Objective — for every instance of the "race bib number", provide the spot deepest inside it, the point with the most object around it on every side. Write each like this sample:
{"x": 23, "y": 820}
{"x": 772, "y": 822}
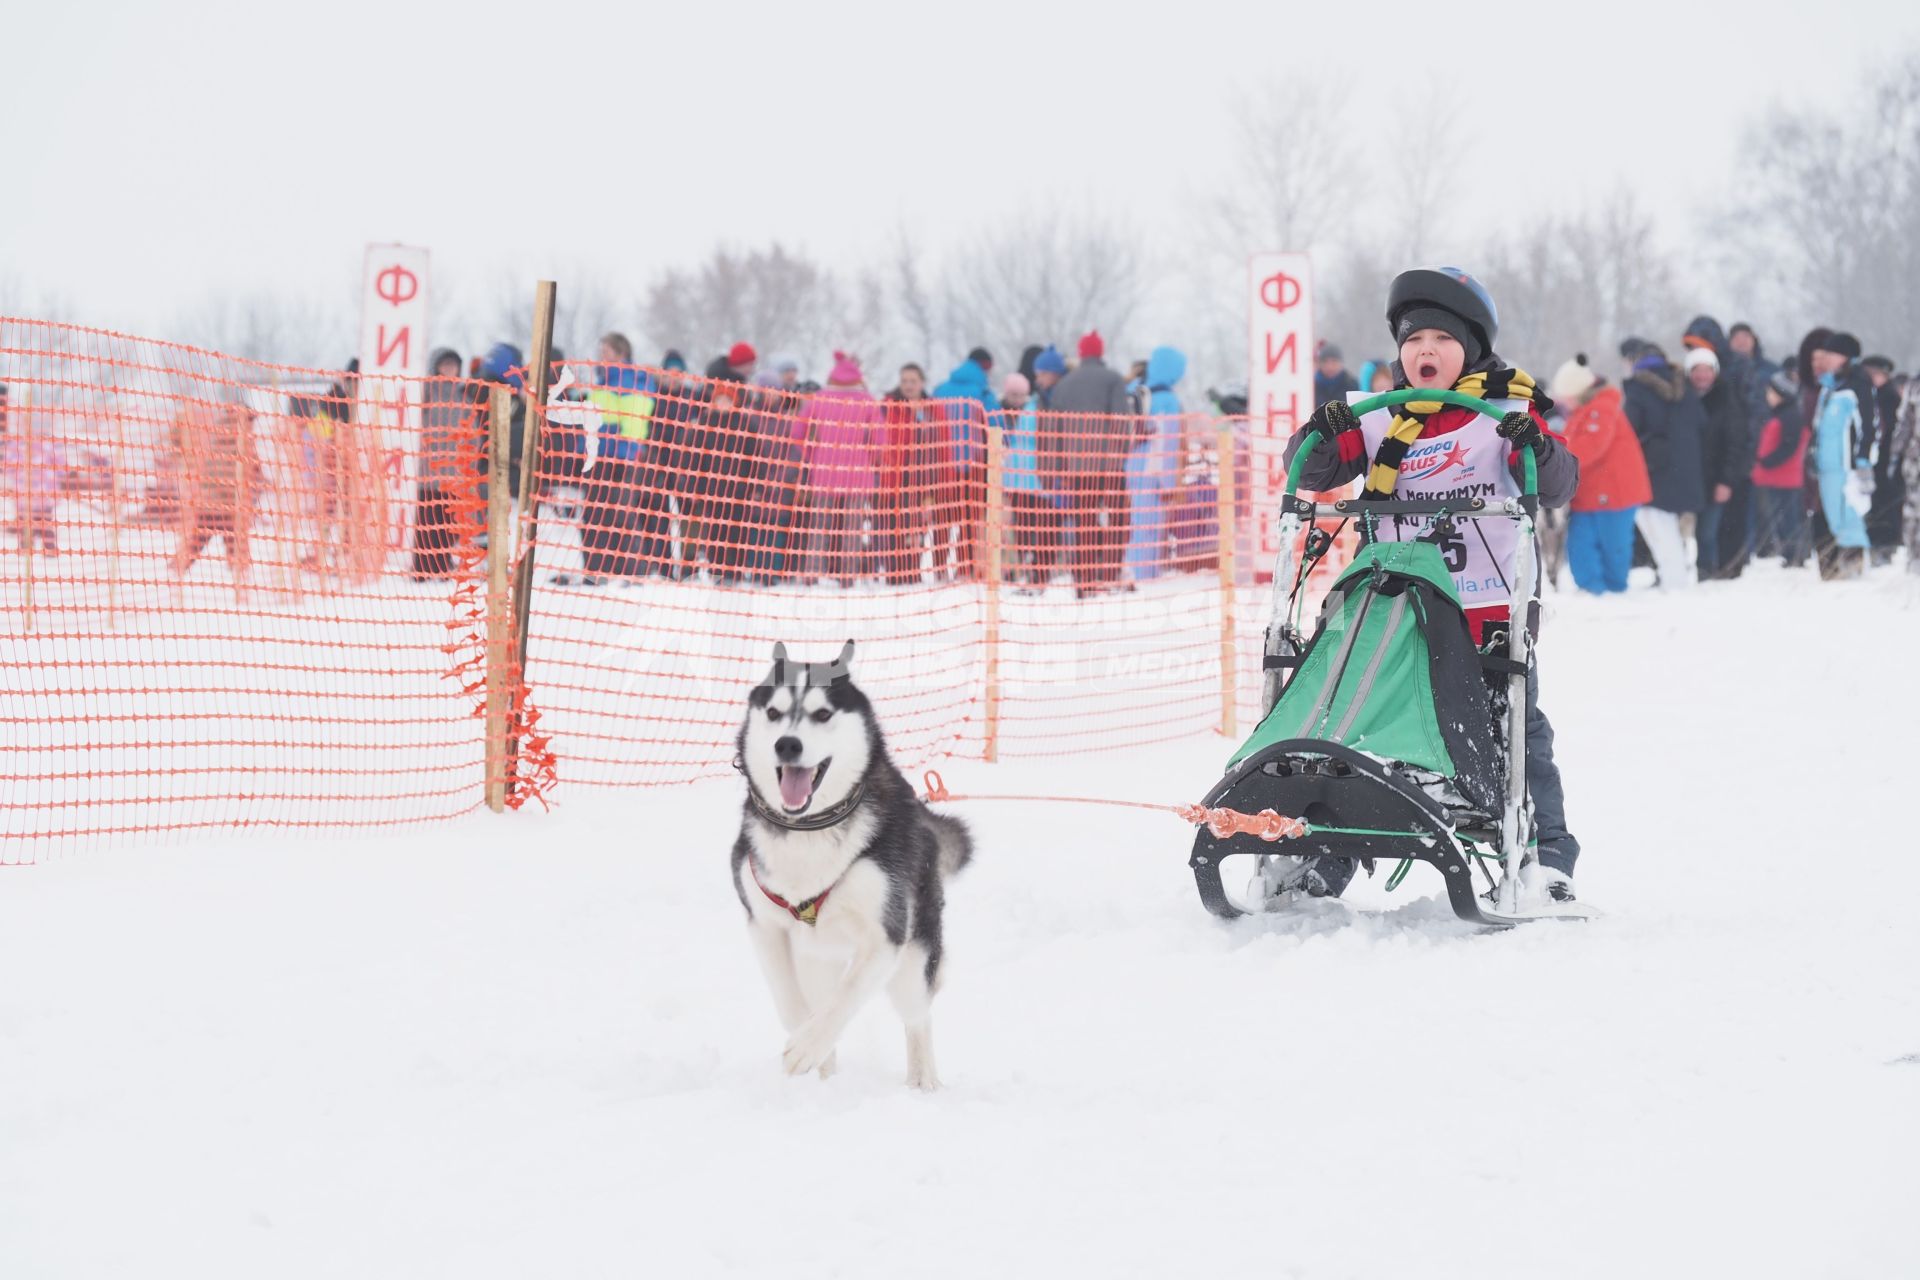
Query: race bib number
{"x": 1458, "y": 467}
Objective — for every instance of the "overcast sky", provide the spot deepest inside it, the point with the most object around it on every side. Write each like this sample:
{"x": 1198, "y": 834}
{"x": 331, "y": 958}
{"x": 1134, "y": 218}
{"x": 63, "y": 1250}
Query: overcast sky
{"x": 152, "y": 159}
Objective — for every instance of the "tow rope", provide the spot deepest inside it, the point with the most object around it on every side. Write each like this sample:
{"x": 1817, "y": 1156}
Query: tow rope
{"x": 1267, "y": 824}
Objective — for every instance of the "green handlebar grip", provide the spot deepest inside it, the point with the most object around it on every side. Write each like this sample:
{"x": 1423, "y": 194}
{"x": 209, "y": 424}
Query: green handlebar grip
{"x": 1530, "y": 470}
{"x": 1389, "y": 399}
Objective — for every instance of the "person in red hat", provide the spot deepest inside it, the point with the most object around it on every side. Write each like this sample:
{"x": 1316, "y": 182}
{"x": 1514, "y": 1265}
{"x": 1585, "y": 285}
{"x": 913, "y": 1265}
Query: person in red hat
{"x": 724, "y": 468}
{"x": 1089, "y": 428}
{"x": 741, "y": 358}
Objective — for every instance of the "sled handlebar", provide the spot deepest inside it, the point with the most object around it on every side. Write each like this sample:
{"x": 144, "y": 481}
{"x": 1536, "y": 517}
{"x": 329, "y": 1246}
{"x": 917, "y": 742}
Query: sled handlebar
{"x": 1530, "y": 467}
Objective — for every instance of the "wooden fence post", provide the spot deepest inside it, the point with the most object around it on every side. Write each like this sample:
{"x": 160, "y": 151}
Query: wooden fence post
{"x": 1226, "y": 499}
{"x": 499, "y": 603}
{"x": 538, "y": 361}
{"x": 536, "y": 419}
{"x": 993, "y": 535}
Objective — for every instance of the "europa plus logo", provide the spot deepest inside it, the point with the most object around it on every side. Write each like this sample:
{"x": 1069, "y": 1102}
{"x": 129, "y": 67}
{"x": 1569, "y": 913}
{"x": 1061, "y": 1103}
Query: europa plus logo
{"x": 1434, "y": 460}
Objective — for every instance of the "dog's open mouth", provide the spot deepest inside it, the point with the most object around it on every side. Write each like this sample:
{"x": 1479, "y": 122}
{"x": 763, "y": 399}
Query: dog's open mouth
{"x": 799, "y": 782}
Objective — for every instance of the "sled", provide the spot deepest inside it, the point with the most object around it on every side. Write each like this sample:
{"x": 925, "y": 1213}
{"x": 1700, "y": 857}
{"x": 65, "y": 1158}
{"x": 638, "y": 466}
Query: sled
{"x": 1389, "y": 733}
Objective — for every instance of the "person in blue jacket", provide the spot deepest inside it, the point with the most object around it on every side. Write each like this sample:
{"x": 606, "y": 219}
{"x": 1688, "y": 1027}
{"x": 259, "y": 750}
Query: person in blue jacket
{"x": 1841, "y": 456}
{"x": 1153, "y": 466}
{"x": 960, "y": 479}
{"x": 968, "y": 381}
{"x": 1033, "y": 515}
{"x": 1376, "y": 376}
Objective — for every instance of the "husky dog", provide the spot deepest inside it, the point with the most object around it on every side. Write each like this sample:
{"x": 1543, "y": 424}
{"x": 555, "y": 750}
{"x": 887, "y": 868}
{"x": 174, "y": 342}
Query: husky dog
{"x": 839, "y": 864}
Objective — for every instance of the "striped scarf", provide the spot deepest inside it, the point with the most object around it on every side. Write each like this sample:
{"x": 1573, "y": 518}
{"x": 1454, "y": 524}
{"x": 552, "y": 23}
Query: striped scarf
{"x": 1411, "y": 420}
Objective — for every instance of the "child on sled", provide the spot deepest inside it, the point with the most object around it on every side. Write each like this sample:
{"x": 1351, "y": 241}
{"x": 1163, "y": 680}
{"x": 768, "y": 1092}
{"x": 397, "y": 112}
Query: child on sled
{"x": 1445, "y": 323}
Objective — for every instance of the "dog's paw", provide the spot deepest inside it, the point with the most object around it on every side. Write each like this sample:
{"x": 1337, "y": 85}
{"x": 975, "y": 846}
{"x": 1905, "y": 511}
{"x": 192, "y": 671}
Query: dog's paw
{"x": 809, "y": 1049}
{"x": 831, "y": 1065}
{"x": 923, "y": 1079}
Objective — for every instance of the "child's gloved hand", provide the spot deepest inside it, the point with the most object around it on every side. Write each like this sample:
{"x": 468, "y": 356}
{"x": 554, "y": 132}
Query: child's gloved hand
{"x": 1520, "y": 428}
{"x": 1333, "y": 417}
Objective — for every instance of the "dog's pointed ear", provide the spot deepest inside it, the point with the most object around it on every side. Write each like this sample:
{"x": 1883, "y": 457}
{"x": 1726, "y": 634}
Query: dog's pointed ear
{"x": 780, "y": 652}
{"x": 845, "y": 659}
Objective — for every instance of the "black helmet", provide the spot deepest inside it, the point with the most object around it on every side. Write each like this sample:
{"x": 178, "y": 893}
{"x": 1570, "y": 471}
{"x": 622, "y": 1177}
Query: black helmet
{"x": 1450, "y": 289}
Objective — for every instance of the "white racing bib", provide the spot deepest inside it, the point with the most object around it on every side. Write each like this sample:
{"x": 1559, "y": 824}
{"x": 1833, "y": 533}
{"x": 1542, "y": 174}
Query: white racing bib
{"x": 1467, "y": 463}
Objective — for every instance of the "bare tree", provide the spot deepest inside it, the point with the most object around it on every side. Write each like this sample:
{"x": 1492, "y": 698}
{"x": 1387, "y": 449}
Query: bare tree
{"x": 1832, "y": 208}
{"x": 1418, "y": 197}
{"x": 264, "y": 325}
{"x": 1350, "y": 299}
{"x": 775, "y": 298}
{"x": 1042, "y": 277}
{"x": 1298, "y": 186}
{"x": 585, "y": 311}
{"x": 915, "y": 306}
{"x": 1293, "y": 167}
{"x": 867, "y": 326}
{"x": 1581, "y": 283}
{"x": 18, "y": 298}
{"x": 1563, "y": 283}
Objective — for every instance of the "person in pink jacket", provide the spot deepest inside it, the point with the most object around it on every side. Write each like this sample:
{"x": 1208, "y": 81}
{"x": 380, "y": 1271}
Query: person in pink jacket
{"x": 839, "y": 433}
{"x": 33, "y": 473}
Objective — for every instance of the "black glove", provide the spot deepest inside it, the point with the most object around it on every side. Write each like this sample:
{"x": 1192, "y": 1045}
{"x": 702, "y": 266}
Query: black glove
{"x": 1520, "y": 428}
{"x": 1333, "y": 417}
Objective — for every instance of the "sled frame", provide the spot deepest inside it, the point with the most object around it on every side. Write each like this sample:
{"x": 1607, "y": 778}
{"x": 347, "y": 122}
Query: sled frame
{"x": 1515, "y": 833}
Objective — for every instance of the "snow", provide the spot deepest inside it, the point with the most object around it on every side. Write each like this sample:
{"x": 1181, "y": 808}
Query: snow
{"x": 540, "y": 1045}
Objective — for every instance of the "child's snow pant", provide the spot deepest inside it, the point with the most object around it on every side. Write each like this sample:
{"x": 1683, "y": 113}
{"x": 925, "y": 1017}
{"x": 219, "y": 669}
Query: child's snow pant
{"x": 1600, "y": 549}
{"x": 1558, "y": 848}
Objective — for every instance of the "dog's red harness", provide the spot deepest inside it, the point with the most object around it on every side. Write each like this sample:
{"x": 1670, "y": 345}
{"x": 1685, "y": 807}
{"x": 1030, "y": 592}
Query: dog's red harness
{"x": 806, "y": 913}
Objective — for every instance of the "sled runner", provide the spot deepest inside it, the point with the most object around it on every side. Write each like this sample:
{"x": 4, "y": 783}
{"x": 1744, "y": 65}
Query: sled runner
{"x": 1389, "y": 732}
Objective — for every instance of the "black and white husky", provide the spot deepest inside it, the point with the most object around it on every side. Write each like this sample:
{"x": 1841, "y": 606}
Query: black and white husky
{"x": 839, "y": 864}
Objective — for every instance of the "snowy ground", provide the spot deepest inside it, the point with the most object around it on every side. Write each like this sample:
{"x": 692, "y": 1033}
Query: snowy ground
{"x": 539, "y": 1045}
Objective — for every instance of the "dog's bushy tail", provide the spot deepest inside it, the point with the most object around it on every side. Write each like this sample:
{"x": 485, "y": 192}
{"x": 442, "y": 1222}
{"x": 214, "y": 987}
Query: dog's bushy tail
{"x": 954, "y": 841}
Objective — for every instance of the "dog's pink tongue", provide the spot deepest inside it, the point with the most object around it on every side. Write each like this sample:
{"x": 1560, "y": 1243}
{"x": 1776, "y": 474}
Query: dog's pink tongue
{"x": 796, "y": 786}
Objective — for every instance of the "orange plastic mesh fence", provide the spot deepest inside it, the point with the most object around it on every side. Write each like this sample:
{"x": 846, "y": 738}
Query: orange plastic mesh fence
{"x": 1018, "y": 581}
{"x": 226, "y": 592}
{"x": 239, "y": 595}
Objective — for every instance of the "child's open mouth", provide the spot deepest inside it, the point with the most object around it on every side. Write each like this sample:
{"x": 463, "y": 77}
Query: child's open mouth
{"x": 1428, "y": 369}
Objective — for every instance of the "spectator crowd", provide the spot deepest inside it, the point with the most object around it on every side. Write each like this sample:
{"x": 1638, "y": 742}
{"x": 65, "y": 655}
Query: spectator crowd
{"x": 1701, "y": 466}
{"x": 1696, "y": 458}
{"x": 748, "y": 473}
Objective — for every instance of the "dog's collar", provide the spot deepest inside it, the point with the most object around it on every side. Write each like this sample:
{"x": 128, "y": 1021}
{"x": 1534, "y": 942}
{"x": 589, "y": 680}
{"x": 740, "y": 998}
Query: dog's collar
{"x": 807, "y": 912}
{"x": 832, "y": 815}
